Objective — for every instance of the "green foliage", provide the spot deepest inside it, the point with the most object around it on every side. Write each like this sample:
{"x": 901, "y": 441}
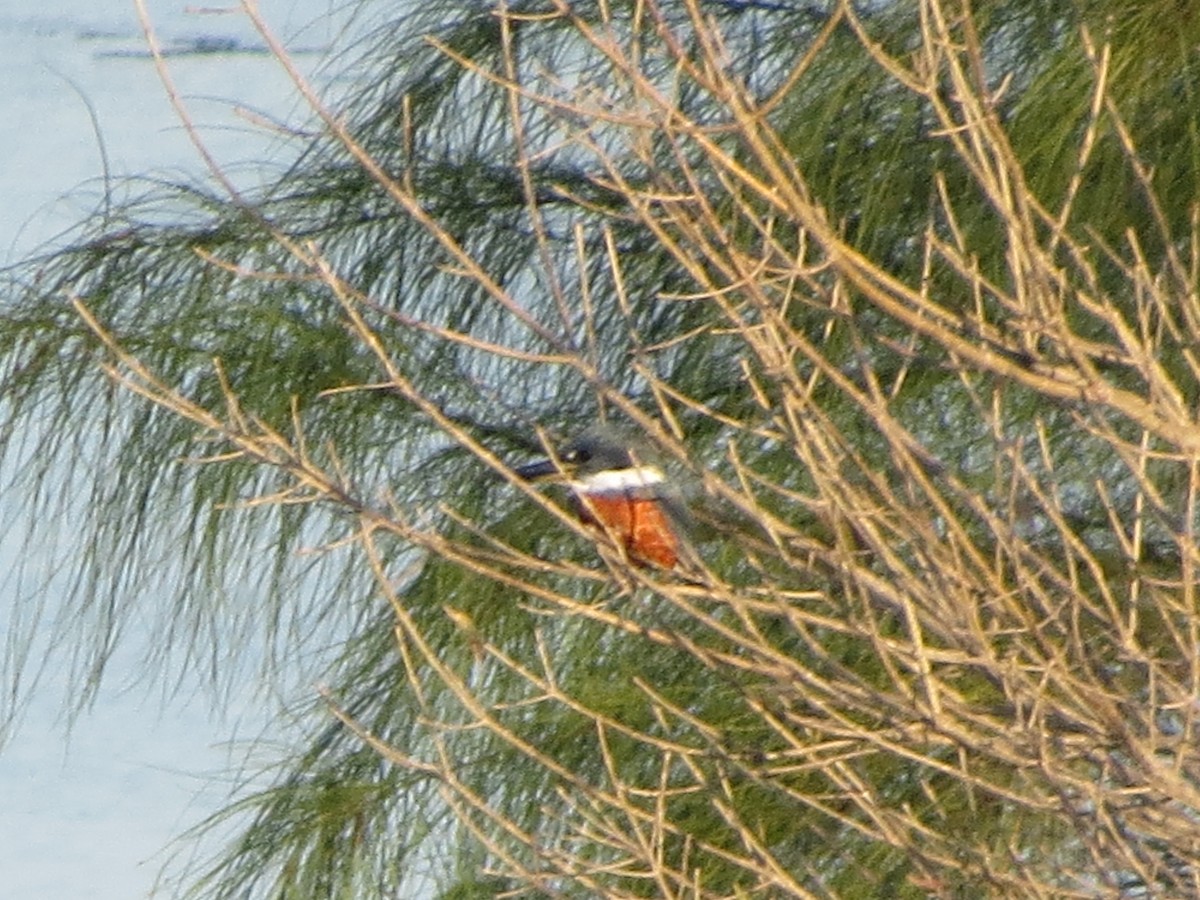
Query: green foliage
{"x": 905, "y": 283}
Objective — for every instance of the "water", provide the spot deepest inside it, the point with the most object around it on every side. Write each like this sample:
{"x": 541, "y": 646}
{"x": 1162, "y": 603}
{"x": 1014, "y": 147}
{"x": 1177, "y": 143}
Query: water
{"x": 69, "y": 60}
{"x": 91, "y": 812}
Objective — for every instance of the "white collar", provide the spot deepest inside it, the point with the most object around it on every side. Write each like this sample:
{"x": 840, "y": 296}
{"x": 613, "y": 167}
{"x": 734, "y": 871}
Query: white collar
{"x": 612, "y": 481}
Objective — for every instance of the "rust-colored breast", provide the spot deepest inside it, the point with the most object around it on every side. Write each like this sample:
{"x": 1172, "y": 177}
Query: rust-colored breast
{"x": 640, "y": 523}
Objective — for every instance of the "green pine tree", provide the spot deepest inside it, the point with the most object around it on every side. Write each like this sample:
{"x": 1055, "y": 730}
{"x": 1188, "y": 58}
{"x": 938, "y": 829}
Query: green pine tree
{"x": 905, "y": 293}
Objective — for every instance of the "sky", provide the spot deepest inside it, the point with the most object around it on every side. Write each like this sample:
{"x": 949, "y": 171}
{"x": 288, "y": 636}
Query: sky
{"x": 90, "y": 807}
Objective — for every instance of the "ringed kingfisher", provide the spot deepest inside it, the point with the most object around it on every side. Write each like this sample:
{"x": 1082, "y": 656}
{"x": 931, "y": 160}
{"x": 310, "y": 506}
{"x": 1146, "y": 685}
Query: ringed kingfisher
{"x": 614, "y": 489}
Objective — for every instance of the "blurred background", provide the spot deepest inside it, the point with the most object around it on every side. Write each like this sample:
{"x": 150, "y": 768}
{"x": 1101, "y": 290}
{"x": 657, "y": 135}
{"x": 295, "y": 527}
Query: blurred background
{"x": 91, "y": 803}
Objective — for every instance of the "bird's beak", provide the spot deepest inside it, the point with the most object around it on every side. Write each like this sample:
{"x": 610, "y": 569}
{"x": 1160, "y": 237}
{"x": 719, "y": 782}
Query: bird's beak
{"x": 542, "y": 470}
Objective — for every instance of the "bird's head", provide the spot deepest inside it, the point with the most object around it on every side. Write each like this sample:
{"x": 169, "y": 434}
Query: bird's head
{"x": 598, "y": 460}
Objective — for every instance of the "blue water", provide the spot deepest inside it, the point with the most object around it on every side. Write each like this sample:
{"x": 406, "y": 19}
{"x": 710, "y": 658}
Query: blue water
{"x": 70, "y": 61}
{"x": 91, "y": 811}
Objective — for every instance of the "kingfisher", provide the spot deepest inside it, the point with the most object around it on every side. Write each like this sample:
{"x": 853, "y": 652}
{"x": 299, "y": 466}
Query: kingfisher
{"x": 611, "y": 487}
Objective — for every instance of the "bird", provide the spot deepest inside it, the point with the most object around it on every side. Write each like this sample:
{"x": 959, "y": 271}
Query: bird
{"x": 612, "y": 486}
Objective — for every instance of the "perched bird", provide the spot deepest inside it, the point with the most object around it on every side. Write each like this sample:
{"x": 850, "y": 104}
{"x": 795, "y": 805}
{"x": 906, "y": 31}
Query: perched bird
{"x": 611, "y": 487}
